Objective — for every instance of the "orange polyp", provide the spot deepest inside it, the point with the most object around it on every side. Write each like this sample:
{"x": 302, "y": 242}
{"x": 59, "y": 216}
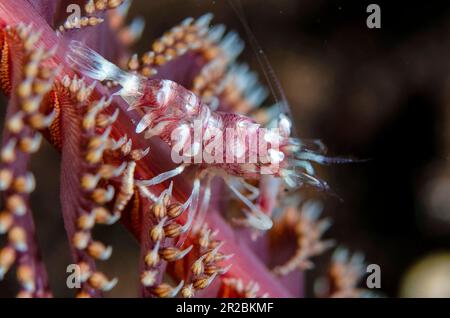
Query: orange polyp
{"x": 135, "y": 214}
{"x": 5, "y": 82}
{"x": 55, "y": 127}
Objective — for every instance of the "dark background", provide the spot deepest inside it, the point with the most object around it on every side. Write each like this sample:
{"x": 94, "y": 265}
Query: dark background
{"x": 381, "y": 94}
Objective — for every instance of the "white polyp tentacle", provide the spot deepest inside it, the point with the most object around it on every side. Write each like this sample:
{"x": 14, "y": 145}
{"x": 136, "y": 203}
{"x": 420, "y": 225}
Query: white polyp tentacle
{"x": 176, "y": 290}
{"x": 110, "y": 284}
{"x": 312, "y": 209}
{"x": 47, "y": 120}
{"x": 204, "y": 20}
{"x": 136, "y": 27}
{"x": 104, "y": 136}
{"x": 257, "y": 96}
{"x": 225, "y": 270}
{"x": 247, "y": 82}
{"x": 325, "y": 245}
{"x": 232, "y": 45}
{"x": 123, "y": 9}
{"x": 192, "y": 203}
{"x": 166, "y": 192}
{"x": 112, "y": 119}
{"x": 194, "y": 198}
{"x": 271, "y": 115}
{"x": 255, "y": 217}
{"x": 324, "y": 225}
{"x": 216, "y": 32}
{"x": 113, "y": 219}
{"x": 188, "y": 201}
{"x": 147, "y": 194}
{"x": 204, "y": 205}
{"x": 357, "y": 260}
{"x": 217, "y": 248}
{"x": 162, "y": 176}
{"x": 116, "y": 144}
{"x": 118, "y": 171}
{"x": 340, "y": 255}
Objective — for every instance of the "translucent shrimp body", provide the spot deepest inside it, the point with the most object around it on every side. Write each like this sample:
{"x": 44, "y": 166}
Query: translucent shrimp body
{"x": 225, "y": 144}
{"x": 185, "y": 123}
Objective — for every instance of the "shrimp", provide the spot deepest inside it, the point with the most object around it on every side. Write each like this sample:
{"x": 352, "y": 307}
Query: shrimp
{"x": 229, "y": 145}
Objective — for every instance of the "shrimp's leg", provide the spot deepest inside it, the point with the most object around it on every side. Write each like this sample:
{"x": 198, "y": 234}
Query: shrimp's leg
{"x": 254, "y": 190}
{"x": 294, "y": 179}
{"x": 255, "y": 217}
{"x": 303, "y": 164}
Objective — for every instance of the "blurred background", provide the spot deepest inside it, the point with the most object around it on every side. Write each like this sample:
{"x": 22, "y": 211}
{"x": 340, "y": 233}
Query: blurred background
{"x": 378, "y": 94}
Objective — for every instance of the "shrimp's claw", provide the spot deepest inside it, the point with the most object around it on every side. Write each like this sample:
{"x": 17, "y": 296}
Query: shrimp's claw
{"x": 254, "y": 217}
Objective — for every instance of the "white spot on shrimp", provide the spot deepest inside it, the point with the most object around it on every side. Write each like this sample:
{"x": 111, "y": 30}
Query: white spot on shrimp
{"x": 285, "y": 125}
{"x": 191, "y": 103}
{"x": 163, "y": 95}
{"x": 272, "y": 136}
{"x": 275, "y": 156}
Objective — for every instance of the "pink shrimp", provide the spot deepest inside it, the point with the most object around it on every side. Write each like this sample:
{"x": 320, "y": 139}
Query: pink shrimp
{"x": 234, "y": 146}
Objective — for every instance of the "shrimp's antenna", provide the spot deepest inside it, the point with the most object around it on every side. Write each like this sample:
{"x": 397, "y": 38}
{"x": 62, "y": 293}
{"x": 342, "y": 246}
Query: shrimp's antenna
{"x": 268, "y": 71}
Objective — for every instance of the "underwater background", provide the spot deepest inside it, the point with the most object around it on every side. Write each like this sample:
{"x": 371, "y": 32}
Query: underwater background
{"x": 377, "y": 94}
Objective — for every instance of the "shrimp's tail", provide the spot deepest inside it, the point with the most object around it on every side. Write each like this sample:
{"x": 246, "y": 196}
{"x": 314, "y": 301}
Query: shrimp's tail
{"x": 93, "y": 65}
